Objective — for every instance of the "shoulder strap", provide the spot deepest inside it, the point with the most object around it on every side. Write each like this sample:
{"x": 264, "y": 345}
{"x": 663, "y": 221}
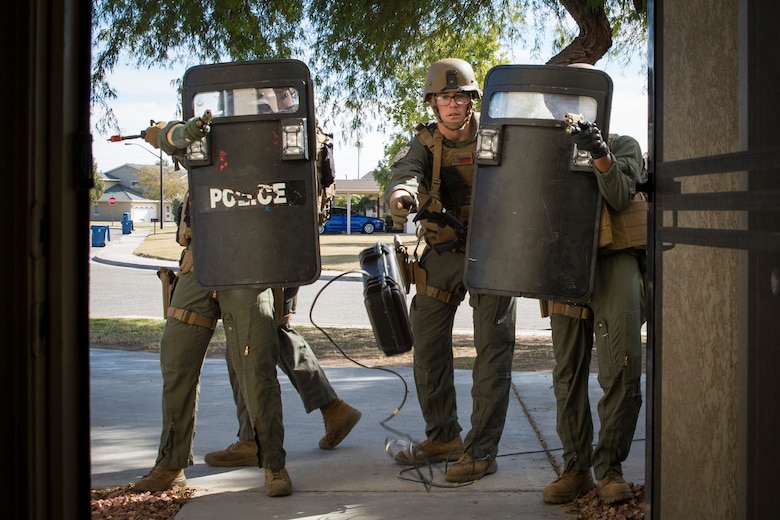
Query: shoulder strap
{"x": 436, "y": 174}
{"x": 434, "y": 143}
{"x": 424, "y": 135}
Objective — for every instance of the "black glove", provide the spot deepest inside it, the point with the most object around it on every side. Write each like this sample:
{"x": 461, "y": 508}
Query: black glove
{"x": 587, "y": 136}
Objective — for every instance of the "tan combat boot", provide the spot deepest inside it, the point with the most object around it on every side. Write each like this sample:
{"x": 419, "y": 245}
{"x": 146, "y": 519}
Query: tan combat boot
{"x": 240, "y": 453}
{"x": 277, "y": 483}
{"x": 431, "y": 450}
{"x": 161, "y": 479}
{"x": 468, "y": 468}
{"x": 568, "y": 486}
{"x": 339, "y": 419}
{"x": 613, "y": 488}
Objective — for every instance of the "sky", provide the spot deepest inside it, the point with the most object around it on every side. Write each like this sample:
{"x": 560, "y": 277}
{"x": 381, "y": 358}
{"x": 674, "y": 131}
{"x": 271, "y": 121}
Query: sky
{"x": 145, "y": 95}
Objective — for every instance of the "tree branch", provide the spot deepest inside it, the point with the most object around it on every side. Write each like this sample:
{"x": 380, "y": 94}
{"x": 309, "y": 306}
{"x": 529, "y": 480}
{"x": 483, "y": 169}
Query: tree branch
{"x": 595, "y": 36}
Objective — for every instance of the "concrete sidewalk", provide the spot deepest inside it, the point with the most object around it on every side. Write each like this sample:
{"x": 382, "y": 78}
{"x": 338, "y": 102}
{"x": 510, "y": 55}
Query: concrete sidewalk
{"x": 355, "y": 480}
{"x": 119, "y": 251}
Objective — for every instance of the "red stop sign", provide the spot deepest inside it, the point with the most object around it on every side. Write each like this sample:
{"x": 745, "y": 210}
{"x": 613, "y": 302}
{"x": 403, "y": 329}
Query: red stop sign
{"x": 112, "y": 200}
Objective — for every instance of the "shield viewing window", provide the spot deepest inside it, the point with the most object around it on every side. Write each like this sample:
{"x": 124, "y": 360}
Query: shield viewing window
{"x": 540, "y": 105}
{"x": 247, "y": 101}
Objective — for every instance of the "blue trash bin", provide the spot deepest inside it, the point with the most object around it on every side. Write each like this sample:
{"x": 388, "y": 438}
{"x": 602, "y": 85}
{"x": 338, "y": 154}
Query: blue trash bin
{"x": 127, "y": 228}
{"x": 99, "y": 236}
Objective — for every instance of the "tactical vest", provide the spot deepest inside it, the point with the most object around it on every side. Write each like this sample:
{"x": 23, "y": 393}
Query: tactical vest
{"x": 626, "y": 229}
{"x": 454, "y": 168}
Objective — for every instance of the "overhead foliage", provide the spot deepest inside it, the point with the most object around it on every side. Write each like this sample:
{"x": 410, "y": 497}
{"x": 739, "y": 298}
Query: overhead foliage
{"x": 99, "y": 186}
{"x": 174, "y": 183}
{"x": 367, "y": 57}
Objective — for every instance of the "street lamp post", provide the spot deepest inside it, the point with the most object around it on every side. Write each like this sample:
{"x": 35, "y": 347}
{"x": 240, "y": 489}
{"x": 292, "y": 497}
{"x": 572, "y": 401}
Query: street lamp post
{"x": 162, "y": 207}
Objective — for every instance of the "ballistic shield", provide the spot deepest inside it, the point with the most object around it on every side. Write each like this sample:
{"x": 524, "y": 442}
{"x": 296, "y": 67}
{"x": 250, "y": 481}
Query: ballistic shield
{"x": 533, "y": 228}
{"x": 253, "y": 188}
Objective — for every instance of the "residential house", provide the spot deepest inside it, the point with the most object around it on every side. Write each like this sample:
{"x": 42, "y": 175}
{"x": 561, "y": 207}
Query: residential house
{"x": 366, "y": 185}
{"x": 121, "y": 185}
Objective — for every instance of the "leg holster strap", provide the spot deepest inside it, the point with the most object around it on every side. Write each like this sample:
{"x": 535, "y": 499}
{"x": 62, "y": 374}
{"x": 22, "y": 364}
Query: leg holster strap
{"x": 421, "y": 281}
{"x": 280, "y": 317}
{"x": 168, "y": 279}
{"x": 192, "y": 318}
{"x": 580, "y": 312}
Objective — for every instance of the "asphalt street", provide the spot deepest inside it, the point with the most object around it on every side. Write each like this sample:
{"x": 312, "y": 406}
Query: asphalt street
{"x": 124, "y": 285}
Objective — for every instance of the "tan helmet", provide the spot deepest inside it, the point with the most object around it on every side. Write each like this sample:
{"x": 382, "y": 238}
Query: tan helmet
{"x": 451, "y": 74}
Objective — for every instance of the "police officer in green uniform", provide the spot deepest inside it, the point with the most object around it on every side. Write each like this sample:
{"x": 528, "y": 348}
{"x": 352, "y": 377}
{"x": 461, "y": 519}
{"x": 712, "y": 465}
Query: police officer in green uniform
{"x": 248, "y": 318}
{"x": 615, "y": 314}
{"x": 434, "y": 173}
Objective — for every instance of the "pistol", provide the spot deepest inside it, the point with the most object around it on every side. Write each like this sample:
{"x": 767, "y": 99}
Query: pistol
{"x": 572, "y": 120}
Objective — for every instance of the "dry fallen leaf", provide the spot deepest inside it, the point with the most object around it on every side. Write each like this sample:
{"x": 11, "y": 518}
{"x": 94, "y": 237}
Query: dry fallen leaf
{"x": 590, "y": 506}
{"x": 124, "y": 503}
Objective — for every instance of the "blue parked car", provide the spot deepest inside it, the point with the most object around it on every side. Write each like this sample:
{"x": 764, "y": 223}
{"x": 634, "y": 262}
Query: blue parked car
{"x": 337, "y": 223}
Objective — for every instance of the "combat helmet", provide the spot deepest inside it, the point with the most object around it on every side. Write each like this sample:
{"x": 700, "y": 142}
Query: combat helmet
{"x": 451, "y": 74}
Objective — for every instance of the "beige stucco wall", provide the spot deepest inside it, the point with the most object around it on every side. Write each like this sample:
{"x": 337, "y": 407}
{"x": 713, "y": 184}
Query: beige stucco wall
{"x": 700, "y": 315}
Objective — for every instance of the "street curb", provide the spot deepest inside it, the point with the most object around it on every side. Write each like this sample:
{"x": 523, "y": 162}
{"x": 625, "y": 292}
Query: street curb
{"x": 117, "y": 263}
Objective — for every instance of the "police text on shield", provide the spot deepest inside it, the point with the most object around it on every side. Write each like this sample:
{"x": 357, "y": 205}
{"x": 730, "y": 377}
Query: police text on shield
{"x": 267, "y": 195}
